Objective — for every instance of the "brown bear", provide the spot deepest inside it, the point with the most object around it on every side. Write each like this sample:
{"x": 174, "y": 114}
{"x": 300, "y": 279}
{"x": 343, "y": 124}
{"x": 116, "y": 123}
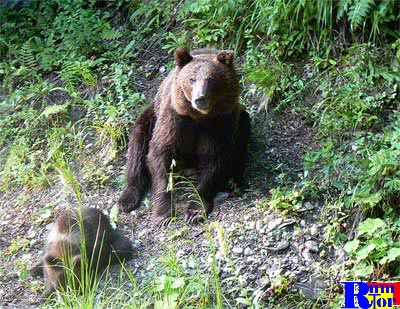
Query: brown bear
{"x": 79, "y": 236}
{"x": 195, "y": 119}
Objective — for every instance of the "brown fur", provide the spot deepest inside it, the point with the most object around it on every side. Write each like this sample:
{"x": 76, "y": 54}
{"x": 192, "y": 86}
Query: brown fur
{"x": 195, "y": 118}
{"x": 103, "y": 246}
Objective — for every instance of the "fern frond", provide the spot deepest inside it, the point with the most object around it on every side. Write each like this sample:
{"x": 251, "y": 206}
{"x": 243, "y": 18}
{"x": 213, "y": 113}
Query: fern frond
{"x": 75, "y": 72}
{"x": 110, "y": 34}
{"x": 342, "y": 7}
{"x": 27, "y": 57}
{"x": 70, "y": 74}
{"x": 359, "y": 12}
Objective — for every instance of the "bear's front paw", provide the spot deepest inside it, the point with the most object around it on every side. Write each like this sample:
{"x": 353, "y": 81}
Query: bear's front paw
{"x": 195, "y": 214}
{"x": 164, "y": 219}
{"x": 129, "y": 200}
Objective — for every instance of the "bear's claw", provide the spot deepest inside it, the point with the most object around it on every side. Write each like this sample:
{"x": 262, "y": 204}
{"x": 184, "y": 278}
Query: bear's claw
{"x": 193, "y": 215}
{"x": 163, "y": 220}
{"x": 128, "y": 200}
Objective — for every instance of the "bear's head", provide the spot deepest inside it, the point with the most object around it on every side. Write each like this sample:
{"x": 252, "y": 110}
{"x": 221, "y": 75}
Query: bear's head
{"x": 57, "y": 261}
{"x": 205, "y": 83}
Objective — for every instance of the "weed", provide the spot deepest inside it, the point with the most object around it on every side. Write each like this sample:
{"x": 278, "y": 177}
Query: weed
{"x": 18, "y": 244}
{"x": 374, "y": 250}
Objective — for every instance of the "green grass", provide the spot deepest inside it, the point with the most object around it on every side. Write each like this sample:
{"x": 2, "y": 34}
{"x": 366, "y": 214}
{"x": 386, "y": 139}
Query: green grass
{"x": 174, "y": 282}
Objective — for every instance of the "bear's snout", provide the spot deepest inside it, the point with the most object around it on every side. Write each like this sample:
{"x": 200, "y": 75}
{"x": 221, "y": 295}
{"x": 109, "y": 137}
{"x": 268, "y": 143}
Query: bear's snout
{"x": 200, "y": 99}
{"x": 201, "y": 102}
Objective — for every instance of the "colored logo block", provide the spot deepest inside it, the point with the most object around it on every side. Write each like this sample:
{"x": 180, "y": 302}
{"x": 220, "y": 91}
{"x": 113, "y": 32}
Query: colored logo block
{"x": 370, "y": 295}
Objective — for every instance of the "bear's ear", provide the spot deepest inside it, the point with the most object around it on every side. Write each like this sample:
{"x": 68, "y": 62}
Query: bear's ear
{"x": 182, "y": 57}
{"x": 225, "y": 57}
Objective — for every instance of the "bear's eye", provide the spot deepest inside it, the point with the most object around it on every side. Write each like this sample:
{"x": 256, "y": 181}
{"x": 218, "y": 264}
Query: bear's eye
{"x": 192, "y": 81}
{"x": 211, "y": 81}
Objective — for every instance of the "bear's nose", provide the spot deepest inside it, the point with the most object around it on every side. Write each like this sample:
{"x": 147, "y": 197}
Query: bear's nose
{"x": 200, "y": 101}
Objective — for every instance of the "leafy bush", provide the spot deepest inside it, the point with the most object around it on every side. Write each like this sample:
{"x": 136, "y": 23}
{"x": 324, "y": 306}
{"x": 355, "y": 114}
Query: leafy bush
{"x": 49, "y": 32}
{"x": 374, "y": 250}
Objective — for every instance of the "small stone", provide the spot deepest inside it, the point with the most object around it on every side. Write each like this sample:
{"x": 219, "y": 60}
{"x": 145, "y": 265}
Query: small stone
{"x": 272, "y": 268}
{"x": 237, "y": 250}
{"x": 142, "y": 233}
{"x": 162, "y": 69}
{"x": 311, "y": 245}
{"x": 295, "y": 234}
{"x": 274, "y": 223}
{"x": 313, "y": 288}
{"x": 180, "y": 254}
{"x": 314, "y": 230}
{"x": 231, "y": 228}
{"x": 259, "y": 225}
{"x": 250, "y": 259}
{"x": 247, "y": 251}
{"x": 282, "y": 245}
{"x": 220, "y": 197}
{"x": 308, "y": 206}
{"x": 250, "y": 225}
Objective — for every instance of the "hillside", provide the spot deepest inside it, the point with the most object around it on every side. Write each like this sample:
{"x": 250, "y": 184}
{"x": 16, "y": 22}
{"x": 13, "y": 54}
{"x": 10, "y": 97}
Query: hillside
{"x": 320, "y": 204}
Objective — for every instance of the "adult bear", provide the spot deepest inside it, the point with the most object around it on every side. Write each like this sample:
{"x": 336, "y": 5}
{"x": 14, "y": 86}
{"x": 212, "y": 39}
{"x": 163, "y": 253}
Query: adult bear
{"x": 195, "y": 119}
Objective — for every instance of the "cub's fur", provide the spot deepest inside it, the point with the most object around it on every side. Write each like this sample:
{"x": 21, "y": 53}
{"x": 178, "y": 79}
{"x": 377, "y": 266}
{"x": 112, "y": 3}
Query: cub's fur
{"x": 79, "y": 237}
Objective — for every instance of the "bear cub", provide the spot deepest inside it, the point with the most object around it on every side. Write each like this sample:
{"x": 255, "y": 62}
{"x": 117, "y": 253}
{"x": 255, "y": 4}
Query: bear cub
{"x": 195, "y": 119}
{"x": 80, "y": 236}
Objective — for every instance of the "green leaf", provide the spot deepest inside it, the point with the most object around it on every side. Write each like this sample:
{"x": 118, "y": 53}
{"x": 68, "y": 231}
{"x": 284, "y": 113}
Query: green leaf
{"x": 331, "y": 61}
{"x": 54, "y": 109}
{"x": 362, "y": 270}
{"x": 243, "y": 301}
{"x": 370, "y": 200}
{"x": 380, "y": 243}
{"x": 351, "y": 246}
{"x": 160, "y": 283}
{"x": 391, "y": 255}
{"x": 365, "y": 251}
{"x": 370, "y": 226}
{"x": 178, "y": 282}
{"x": 338, "y": 185}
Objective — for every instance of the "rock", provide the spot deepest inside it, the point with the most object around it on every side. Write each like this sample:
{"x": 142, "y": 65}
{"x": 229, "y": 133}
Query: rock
{"x": 180, "y": 254}
{"x": 311, "y": 245}
{"x": 314, "y": 230}
{"x": 250, "y": 259}
{"x": 237, "y": 250}
{"x": 248, "y": 251}
{"x": 220, "y": 197}
{"x": 308, "y": 206}
{"x": 274, "y": 223}
{"x": 250, "y": 225}
{"x": 282, "y": 245}
{"x": 287, "y": 222}
{"x": 274, "y": 267}
{"x": 259, "y": 225}
{"x": 142, "y": 233}
{"x": 313, "y": 288}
